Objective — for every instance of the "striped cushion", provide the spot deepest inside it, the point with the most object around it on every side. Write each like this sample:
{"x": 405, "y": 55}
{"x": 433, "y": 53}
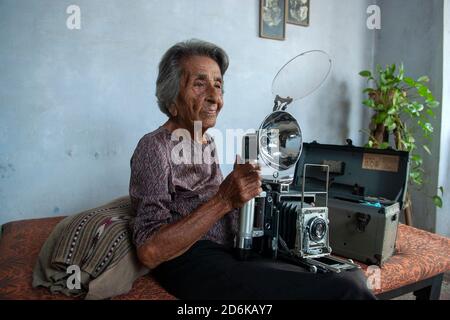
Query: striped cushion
{"x": 97, "y": 239}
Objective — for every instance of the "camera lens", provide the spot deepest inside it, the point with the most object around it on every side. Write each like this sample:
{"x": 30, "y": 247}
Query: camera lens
{"x": 318, "y": 229}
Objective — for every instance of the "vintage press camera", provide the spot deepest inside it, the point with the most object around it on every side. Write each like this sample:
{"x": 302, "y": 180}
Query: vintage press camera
{"x": 283, "y": 223}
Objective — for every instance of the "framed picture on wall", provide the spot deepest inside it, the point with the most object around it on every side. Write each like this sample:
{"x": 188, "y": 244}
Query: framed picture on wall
{"x": 297, "y": 12}
{"x": 272, "y": 19}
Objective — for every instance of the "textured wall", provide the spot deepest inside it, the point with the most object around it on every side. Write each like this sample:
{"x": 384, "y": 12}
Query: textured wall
{"x": 412, "y": 33}
{"x": 73, "y": 103}
{"x": 443, "y": 215}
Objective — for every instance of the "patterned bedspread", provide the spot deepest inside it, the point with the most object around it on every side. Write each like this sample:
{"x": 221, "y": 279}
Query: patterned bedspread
{"x": 420, "y": 255}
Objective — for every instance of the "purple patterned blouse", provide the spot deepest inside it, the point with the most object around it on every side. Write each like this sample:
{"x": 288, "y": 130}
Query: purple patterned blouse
{"x": 162, "y": 191}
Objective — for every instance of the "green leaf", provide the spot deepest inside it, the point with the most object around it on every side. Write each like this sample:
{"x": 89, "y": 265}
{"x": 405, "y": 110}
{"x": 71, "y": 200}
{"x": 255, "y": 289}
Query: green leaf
{"x": 380, "y": 107}
{"x": 384, "y": 145}
{"x": 423, "y": 91}
{"x": 369, "y": 103}
{"x": 414, "y": 174}
{"x": 389, "y": 123}
{"x": 437, "y": 201}
{"x": 427, "y": 149}
{"x": 433, "y": 104}
{"x": 428, "y": 127}
{"x": 392, "y": 111}
{"x": 430, "y": 113}
{"x": 417, "y": 159}
{"x": 401, "y": 72}
{"x": 391, "y": 127}
{"x": 414, "y": 109}
{"x": 380, "y": 117}
{"x": 392, "y": 70}
{"x": 441, "y": 189}
{"x": 423, "y": 79}
{"x": 365, "y": 73}
{"x": 421, "y": 124}
{"x": 405, "y": 145}
{"x": 409, "y": 81}
{"x": 416, "y": 177}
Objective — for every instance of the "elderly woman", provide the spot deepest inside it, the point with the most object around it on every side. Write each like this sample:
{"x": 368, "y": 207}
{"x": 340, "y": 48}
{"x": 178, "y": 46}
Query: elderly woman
{"x": 187, "y": 214}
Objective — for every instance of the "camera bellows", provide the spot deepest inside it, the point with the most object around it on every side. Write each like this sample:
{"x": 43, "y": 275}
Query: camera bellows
{"x": 288, "y": 222}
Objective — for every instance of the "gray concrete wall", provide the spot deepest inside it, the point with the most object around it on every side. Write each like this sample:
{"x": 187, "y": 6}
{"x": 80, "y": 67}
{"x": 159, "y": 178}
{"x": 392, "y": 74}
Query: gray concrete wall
{"x": 73, "y": 103}
{"x": 412, "y": 33}
{"x": 443, "y": 215}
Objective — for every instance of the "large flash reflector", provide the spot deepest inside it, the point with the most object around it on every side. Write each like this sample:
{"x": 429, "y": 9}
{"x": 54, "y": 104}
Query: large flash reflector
{"x": 280, "y": 141}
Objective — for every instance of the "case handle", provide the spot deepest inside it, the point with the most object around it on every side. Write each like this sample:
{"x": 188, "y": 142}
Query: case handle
{"x": 362, "y": 220}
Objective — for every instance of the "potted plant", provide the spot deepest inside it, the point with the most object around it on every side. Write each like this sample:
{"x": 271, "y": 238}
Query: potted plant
{"x": 402, "y": 109}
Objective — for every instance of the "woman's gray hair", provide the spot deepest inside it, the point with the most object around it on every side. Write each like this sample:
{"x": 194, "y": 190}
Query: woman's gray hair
{"x": 170, "y": 70}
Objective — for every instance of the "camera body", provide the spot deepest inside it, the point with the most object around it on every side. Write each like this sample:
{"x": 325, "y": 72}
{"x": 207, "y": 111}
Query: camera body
{"x": 310, "y": 238}
{"x": 286, "y": 223}
{"x": 282, "y": 219}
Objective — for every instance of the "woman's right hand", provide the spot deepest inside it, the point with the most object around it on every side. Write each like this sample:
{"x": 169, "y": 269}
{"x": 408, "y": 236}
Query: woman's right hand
{"x": 241, "y": 185}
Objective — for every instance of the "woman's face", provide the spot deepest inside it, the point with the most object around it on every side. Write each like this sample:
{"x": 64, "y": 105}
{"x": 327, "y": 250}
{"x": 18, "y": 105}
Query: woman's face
{"x": 200, "y": 97}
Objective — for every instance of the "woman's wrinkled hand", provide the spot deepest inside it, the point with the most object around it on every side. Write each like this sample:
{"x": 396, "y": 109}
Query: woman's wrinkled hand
{"x": 241, "y": 185}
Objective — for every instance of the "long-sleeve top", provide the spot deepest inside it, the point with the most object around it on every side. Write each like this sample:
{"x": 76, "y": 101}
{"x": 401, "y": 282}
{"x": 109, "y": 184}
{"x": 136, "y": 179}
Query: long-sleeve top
{"x": 164, "y": 188}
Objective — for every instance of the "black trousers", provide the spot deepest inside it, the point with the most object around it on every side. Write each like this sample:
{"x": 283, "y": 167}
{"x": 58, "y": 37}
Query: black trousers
{"x": 211, "y": 271}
